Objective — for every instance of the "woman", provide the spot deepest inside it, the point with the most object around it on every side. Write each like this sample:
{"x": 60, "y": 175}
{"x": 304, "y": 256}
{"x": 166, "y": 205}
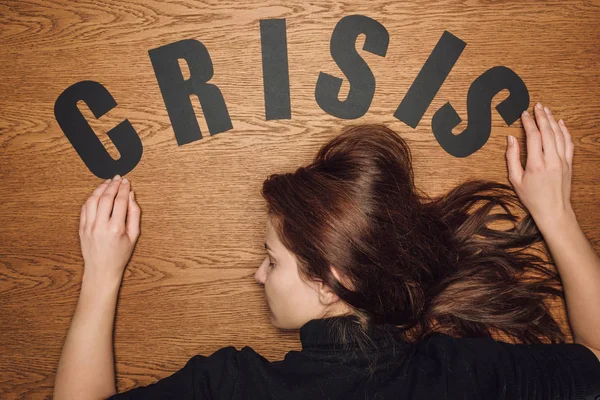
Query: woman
{"x": 396, "y": 295}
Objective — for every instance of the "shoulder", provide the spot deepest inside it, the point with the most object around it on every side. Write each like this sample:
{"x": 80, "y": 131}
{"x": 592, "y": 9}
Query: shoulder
{"x": 203, "y": 376}
{"x": 569, "y": 370}
{"x": 230, "y": 362}
{"x": 490, "y": 350}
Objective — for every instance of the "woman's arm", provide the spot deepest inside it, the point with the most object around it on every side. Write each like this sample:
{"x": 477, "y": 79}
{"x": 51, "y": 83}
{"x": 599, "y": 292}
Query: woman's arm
{"x": 86, "y": 367}
{"x": 544, "y": 188}
{"x": 108, "y": 229}
{"x": 579, "y": 268}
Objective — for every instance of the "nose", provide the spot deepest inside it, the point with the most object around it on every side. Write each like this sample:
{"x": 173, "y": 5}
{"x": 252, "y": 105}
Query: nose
{"x": 258, "y": 277}
{"x": 261, "y": 273}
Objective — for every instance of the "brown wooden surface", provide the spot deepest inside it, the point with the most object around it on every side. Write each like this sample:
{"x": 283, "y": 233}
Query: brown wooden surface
{"x": 189, "y": 287}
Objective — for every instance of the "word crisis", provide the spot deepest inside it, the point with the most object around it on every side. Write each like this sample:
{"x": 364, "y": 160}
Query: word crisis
{"x": 176, "y": 92}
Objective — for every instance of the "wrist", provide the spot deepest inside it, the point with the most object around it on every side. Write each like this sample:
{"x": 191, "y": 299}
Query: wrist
{"x": 558, "y": 222}
{"x": 100, "y": 285}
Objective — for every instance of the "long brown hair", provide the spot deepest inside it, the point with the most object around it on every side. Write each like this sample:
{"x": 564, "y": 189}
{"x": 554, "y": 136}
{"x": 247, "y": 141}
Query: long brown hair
{"x": 423, "y": 264}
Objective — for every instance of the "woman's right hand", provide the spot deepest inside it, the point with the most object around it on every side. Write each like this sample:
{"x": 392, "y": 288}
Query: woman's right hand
{"x": 544, "y": 187}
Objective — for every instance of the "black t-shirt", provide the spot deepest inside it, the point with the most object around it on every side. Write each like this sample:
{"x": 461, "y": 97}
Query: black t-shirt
{"x": 438, "y": 367}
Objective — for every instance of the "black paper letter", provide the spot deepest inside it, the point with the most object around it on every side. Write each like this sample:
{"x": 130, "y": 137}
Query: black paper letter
{"x": 360, "y": 76}
{"x": 276, "y": 79}
{"x": 176, "y": 90}
{"x": 85, "y": 141}
{"x": 479, "y": 99}
{"x": 429, "y": 80}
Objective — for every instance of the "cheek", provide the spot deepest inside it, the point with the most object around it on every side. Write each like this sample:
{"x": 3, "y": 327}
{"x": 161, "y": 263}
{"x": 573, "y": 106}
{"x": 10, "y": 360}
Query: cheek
{"x": 278, "y": 287}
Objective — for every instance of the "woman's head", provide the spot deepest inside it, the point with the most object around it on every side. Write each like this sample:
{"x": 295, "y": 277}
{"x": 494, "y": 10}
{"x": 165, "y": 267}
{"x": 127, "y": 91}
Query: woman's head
{"x": 292, "y": 300}
{"x": 351, "y": 234}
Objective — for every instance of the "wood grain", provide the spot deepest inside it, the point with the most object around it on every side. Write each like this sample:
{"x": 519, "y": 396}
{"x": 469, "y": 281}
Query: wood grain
{"x": 189, "y": 287}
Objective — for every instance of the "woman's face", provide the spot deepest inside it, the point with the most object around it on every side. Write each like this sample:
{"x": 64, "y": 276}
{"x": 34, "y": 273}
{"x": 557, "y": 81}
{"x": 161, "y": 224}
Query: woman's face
{"x": 292, "y": 301}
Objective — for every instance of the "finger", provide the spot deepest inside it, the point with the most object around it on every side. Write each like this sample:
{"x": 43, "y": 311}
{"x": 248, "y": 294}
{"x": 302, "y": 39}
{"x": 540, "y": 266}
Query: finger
{"x": 105, "y": 204}
{"x": 569, "y": 146}
{"x": 91, "y": 207}
{"x": 558, "y": 135}
{"x": 548, "y": 139}
{"x": 82, "y": 219}
{"x": 513, "y": 160}
{"x": 133, "y": 218}
{"x": 119, "y": 211}
{"x": 533, "y": 140}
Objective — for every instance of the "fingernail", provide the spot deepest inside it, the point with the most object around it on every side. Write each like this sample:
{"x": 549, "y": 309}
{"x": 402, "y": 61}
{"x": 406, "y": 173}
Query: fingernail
{"x": 561, "y": 122}
{"x": 511, "y": 140}
{"x": 539, "y": 106}
{"x": 117, "y": 177}
{"x": 107, "y": 181}
{"x": 125, "y": 180}
{"x": 131, "y": 196}
{"x": 525, "y": 113}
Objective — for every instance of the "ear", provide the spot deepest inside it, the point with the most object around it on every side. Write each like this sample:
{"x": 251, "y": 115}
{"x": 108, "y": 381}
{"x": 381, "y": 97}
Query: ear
{"x": 326, "y": 295}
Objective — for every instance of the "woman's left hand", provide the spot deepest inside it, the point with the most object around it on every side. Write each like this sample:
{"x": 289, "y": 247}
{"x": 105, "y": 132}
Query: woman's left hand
{"x": 107, "y": 241}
